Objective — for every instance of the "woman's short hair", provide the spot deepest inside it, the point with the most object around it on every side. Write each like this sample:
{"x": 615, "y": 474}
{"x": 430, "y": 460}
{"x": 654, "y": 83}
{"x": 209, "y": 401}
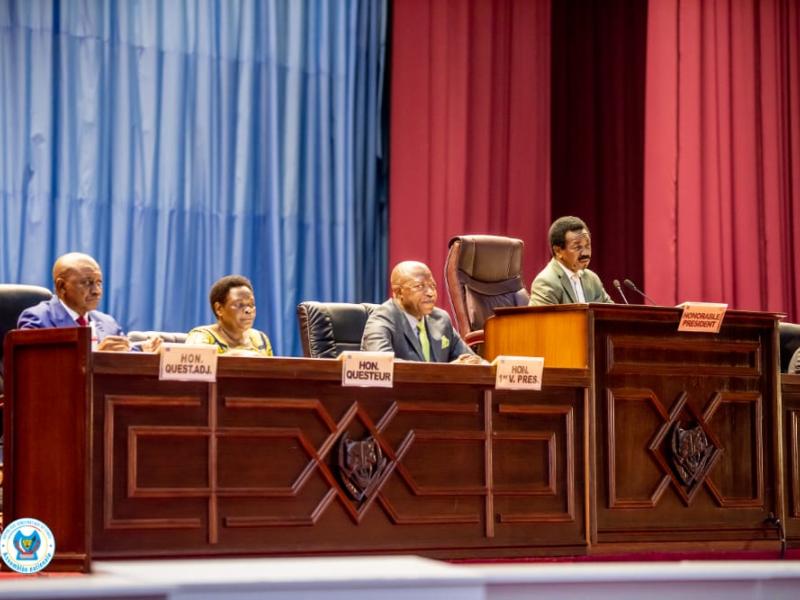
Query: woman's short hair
{"x": 220, "y": 289}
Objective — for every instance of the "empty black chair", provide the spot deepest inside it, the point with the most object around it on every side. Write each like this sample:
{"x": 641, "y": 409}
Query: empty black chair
{"x": 794, "y": 363}
{"x": 14, "y": 298}
{"x": 789, "y": 340}
{"x": 329, "y": 328}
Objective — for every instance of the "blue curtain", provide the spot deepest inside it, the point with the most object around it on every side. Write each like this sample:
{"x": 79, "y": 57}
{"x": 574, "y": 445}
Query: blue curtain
{"x": 177, "y": 142}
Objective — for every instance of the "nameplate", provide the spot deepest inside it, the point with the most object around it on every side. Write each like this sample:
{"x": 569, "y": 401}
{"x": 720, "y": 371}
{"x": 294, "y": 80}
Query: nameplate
{"x": 702, "y": 317}
{"x": 518, "y": 372}
{"x": 367, "y": 369}
{"x": 188, "y": 362}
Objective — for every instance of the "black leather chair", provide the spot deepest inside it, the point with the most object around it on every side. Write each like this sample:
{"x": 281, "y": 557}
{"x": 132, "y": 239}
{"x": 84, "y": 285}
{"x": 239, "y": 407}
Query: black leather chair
{"x": 794, "y": 363}
{"x": 14, "y": 298}
{"x": 329, "y": 328}
{"x": 172, "y": 337}
{"x": 789, "y": 344}
{"x": 483, "y": 272}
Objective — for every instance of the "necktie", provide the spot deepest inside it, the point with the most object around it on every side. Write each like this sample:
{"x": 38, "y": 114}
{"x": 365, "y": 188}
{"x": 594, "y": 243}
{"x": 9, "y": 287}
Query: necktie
{"x": 81, "y": 321}
{"x": 424, "y": 341}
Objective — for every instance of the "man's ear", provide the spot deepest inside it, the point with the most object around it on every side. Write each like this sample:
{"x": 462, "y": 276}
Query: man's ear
{"x": 59, "y": 285}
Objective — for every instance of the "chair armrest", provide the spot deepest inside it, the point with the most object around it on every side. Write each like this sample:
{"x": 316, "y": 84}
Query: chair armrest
{"x": 473, "y": 338}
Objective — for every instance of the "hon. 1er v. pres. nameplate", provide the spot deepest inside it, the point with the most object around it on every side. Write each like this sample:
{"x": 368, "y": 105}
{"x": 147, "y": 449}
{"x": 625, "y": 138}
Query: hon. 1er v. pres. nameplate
{"x": 518, "y": 372}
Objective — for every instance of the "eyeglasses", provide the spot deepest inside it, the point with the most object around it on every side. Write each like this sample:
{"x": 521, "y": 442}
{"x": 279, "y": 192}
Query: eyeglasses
{"x": 421, "y": 287}
{"x": 240, "y": 306}
{"x": 89, "y": 283}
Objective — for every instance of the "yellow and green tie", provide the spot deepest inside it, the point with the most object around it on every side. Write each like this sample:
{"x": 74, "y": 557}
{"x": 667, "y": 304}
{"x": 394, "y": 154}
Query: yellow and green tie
{"x": 424, "y": 341}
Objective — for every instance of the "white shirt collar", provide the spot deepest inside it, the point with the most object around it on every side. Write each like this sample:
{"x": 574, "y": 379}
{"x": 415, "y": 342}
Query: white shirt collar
{"x": 570, "y": 273}
{"x": 72, "y": 313}
{"x": 412, "y": 320}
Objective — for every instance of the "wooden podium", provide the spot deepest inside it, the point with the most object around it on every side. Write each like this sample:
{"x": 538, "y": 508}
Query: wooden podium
{"x": 684, "y": 428}
{"x": 46, "y": 422}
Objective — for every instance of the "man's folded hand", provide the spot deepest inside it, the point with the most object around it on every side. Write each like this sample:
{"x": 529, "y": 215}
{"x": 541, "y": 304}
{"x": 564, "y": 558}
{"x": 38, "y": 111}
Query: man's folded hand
{"x": 114, "y": 343}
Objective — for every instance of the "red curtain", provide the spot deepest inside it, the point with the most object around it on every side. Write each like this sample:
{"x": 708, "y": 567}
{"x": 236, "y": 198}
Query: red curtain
{"x": 722, "y": 153}
{"x": 470, "y": 126}
{"x": 598, "y": 128}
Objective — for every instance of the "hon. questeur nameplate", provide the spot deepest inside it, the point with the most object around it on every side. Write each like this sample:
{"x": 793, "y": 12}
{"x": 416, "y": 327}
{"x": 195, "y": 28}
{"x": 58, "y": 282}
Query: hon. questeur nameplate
{"x": 367, "y": 369}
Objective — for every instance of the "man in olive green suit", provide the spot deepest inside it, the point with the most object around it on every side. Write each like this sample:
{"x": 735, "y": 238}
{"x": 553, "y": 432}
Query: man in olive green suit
{"x": 566, "y": 278}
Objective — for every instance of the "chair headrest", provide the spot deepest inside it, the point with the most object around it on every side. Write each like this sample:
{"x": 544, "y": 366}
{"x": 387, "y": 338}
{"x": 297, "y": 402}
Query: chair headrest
{"x": 489, "y": 258}
{"x": 14, "y": 298}
{"x": 329, "y": 328}
{"x": 172, "y": 337}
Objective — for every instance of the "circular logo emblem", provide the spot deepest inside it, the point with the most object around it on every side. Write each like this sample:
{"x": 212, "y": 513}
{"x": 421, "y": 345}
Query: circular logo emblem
{"x": 27, "y": 545}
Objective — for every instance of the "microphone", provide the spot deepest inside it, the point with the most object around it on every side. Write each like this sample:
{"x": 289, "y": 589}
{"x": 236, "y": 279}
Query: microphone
{"x": 628, "y": 283}
{"x": 619, "y": 289}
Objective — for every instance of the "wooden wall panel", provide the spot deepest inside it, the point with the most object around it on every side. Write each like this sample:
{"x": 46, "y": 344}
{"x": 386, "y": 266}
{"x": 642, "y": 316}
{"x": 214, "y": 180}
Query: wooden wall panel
{"x": 46, "y": 426}
{"x": 791, "y": 456}
{"x": 252, "y": 464}
{"x": 684, "y": 431}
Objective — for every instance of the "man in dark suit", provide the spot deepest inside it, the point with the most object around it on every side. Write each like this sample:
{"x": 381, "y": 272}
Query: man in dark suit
{"x": 410, "y": 325}
{"x": 567, "y": 279}
{"x": 78, "y": 282}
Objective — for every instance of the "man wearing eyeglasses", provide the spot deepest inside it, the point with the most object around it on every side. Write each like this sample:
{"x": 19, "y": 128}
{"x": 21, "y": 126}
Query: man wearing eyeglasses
{"x": 410, "y": 325}
{"x": 78, "y": 283}
{"x": 566, "y": 279}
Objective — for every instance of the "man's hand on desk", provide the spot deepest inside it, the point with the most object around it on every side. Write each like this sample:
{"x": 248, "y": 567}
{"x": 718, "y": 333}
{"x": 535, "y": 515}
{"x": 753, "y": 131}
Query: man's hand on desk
{"x": 114, "y": 343}
{"x": 119, "y": 343}
{"x": 152, "y": 344}
{"x": 469, "y": 359}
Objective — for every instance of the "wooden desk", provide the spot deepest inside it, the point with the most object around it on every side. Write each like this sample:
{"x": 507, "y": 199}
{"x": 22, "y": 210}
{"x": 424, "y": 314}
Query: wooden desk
{"x": 251, "y": 464}
{"x": 647, "y": 488}
{"x": 790, "y": 394}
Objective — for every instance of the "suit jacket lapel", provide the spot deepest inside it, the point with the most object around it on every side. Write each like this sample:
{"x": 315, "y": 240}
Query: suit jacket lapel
{"x": 589, "y": 290}
{"x": 408, "y": 332}
{"x": 565, "y": 283}
{"x": 99, "y": 326}
{"x": 59, "y": 314}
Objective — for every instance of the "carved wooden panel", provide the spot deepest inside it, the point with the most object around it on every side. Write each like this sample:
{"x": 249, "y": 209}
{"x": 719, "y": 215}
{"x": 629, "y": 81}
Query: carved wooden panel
{"x": 46, "y": 421}
{"x": 682, "y": 428}
{"x": 794, "y": 463}
{"x": 791, "y": 456}
{"x": 539, "y": 466}
{"x": 286, "y": 465}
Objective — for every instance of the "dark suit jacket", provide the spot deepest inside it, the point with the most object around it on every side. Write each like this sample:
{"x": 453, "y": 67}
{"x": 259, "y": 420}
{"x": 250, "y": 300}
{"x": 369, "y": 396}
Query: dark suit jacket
{"x": 552, "y": 286}
{"x": 51, "y": 313}
{"x": 388, "y": 330}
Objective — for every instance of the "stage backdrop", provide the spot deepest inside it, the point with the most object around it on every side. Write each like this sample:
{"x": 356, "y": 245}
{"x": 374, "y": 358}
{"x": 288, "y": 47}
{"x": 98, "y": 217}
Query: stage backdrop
{"x": 181, "y": 141}
{"x": 722, "y": 153}
{"x": 470, "y": 146}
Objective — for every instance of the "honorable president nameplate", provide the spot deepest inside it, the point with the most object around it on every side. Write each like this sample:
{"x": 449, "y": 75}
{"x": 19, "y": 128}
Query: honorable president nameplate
{"x": 518, "y": 372}
{"x": 702, "y": 317}
{"x": 367, "y": 369}
{"x": 188, "y": 362}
